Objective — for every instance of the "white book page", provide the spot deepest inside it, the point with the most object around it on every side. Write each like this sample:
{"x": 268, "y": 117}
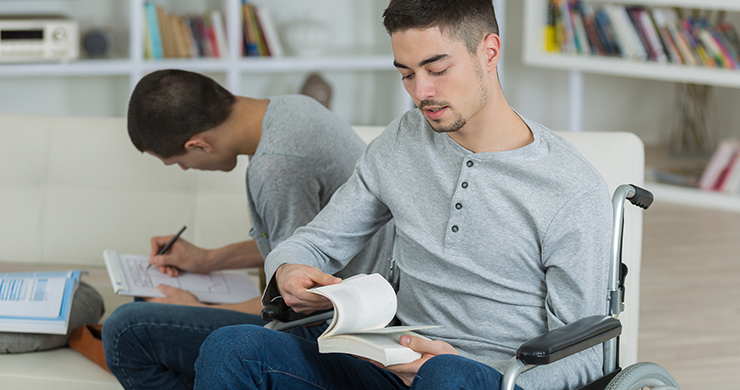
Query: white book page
{"x": 360, "y": 302}
{"x": 31, "y": 297}
{"x": 216, "y": 287}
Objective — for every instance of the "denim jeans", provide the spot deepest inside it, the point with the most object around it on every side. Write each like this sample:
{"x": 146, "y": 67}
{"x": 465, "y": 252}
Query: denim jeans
{"x": 154, "y": 346}
{"x": 251, "y": 357}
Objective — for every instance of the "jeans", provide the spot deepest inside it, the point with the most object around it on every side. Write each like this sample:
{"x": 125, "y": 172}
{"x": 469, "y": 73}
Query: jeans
{"x": 154, "y": 346}
{"x": 251, "y": 357}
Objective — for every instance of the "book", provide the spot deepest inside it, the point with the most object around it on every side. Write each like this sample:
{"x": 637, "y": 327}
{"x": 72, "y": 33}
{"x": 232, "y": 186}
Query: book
{"x": 152, "y": 29}
{"x": 731, "y": 182}
{"x": 718, "y": 163}
{"x": 130, "y": 275}
{"x": 269, "y": 32}
{"x": 665, "y": 35}
{"x": 363, "y": 307}
{"x": 37, "y": 302}
{"x": 217, "y": 21}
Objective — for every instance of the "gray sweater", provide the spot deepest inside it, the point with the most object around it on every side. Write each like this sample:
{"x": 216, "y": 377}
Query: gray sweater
{"x": 304, "y": 155}
{"x": 495, "y": 247}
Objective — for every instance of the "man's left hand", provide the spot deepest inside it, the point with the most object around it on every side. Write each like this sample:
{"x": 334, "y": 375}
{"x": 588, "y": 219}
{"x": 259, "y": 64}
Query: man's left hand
{"x": 428, "y": 349}
{"x": 175, "y": 296}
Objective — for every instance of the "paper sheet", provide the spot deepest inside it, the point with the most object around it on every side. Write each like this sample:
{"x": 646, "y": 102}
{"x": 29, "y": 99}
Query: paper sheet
{"x": 219, "y": 287}
{"x": 31, "y": 297}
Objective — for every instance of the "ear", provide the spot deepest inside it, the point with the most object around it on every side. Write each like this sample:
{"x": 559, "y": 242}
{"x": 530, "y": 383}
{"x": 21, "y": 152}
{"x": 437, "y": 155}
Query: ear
{"x": 199, "y": 142}
{"x": 491, "y": 51}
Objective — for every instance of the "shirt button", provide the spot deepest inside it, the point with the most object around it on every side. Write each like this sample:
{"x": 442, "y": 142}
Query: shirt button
{"x": 465, "y": 184}
{"x": 469, "y": 163}
{"x": 458, "y": 206}
{"x": 455, "y": 229}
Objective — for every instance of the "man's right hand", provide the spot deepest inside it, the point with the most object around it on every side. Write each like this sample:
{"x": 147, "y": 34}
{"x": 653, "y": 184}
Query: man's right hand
{"x": 293, "y": 281}
{"x": 182, "y": 255}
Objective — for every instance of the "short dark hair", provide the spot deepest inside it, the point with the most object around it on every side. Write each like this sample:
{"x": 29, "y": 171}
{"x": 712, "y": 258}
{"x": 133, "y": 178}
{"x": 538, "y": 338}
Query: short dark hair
{"x": 468, "y": 21}
{"x": 170, "y": 106}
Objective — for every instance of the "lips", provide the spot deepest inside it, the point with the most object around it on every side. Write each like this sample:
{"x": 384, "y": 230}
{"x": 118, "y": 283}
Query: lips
{"x": 435, "y": 113}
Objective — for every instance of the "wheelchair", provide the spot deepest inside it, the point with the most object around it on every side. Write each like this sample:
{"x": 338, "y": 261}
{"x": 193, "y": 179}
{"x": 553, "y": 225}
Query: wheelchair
{"x": 561, "y": 342}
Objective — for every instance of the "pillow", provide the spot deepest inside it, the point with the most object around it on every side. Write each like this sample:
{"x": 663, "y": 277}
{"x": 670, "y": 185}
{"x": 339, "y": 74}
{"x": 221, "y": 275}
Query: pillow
{"x": 87, "y": 308}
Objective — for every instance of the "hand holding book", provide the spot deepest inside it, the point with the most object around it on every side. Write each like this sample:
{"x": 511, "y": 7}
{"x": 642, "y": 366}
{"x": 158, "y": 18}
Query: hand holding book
{"x": 363, "y": 307}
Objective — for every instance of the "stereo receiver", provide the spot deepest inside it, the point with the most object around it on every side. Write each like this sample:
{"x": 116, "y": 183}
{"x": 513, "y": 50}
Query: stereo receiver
{"x": 26, "y": 38}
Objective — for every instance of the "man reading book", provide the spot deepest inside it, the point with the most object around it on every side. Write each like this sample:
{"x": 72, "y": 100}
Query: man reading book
{"x": 503, "y": 230}
{"x": 300, "y": 154}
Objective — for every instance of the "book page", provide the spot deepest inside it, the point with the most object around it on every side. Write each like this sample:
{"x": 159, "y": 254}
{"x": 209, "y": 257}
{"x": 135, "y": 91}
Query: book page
{"x": 31, "y": 297}
{"x": 360, "y": 302}
{"x": 218, "y": 287}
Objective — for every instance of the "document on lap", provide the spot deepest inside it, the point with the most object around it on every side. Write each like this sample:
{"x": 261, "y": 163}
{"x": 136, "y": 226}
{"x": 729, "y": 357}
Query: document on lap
{"x": 129, "y": 276}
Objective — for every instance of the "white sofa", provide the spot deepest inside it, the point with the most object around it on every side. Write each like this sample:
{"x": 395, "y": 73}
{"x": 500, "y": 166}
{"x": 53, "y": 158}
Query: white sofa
{"x": 72, "y": 187}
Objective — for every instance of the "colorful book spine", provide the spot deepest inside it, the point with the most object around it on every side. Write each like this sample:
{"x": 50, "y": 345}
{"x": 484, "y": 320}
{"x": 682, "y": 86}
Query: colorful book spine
{"x": 152, "y": 20}
{"x": 639, "y": 33}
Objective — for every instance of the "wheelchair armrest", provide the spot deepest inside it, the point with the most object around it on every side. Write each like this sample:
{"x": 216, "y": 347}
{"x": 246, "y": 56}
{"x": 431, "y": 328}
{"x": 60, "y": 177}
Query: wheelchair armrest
{"x": 568, "y": 340}
{"x": 278, "y": 310}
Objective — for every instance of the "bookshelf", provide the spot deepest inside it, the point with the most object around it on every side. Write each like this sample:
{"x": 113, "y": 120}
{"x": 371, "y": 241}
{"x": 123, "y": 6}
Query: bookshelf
{"x": 534, "y": 54}
{"x": 361, "y": 51}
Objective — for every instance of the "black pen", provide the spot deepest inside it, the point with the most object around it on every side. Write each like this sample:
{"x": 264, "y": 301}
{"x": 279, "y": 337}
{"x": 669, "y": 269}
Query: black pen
{"x": 169, "y": 244}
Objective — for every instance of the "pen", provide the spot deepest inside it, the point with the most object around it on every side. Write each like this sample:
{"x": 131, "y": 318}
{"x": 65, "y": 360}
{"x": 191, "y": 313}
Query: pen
{"x": 169, "y": 244}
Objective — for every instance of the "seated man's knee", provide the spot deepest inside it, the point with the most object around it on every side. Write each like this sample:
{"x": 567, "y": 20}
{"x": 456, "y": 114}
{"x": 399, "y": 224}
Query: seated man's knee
{"x": 237, "y": 338}
{"x": 118, "y": 322}
{"x": 456, "y": 372}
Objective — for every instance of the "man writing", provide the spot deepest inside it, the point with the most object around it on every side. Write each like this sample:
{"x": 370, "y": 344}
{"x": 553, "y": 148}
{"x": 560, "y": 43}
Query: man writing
{"x": 503, "y": 230}
{"x": 300, "y": 154}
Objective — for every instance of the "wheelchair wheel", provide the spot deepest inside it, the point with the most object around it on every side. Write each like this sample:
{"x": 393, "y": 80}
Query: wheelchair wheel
{"x": 643, "y": 375}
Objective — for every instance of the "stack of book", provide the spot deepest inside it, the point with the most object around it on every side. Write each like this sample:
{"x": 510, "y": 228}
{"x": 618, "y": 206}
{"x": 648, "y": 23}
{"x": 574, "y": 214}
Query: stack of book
{"x": 260, "y": 36}
{"x": 722, "y": 173}
{"x": 169, "y": 35}
{"x": 638, "y": 33}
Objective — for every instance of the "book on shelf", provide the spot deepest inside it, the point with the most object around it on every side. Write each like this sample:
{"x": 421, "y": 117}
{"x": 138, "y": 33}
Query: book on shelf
{"x": 131, "y": 275}
{"x": 686, "y": 176}
{"x": 363, "y": 307}
{"x": 169, "y": 35}
{"x": 37, "y": 302}
{"x": 715, "y": 175}
{"x": 640, "y": 33}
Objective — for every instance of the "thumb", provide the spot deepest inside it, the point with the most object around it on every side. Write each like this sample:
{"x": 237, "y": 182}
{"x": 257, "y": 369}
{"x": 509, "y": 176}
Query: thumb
{"x": 416, "y": 343}
{"x": 160, "y": 260}
{"x": 324, "y": 279}
{"x": 165, "y": 289}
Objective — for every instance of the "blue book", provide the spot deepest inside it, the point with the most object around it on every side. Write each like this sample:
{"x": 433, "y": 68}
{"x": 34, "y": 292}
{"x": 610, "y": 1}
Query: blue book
{"x": 152, "y": 25}
{"x": 37, "y": 302}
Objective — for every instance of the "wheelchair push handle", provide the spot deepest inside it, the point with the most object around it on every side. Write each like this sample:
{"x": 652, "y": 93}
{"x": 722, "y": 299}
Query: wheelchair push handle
{"x": 639, "y": 196}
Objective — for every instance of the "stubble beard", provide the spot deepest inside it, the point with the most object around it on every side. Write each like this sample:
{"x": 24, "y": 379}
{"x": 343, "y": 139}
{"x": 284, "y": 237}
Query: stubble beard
{"x": 459, "y": 121}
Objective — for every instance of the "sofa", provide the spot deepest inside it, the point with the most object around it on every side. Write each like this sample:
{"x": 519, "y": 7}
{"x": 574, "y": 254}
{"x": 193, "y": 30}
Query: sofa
{"x": 71, "y": 187}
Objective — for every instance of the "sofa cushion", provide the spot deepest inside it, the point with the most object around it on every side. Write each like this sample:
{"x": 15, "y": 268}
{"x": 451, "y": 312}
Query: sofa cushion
{"x": 87, "y": 308}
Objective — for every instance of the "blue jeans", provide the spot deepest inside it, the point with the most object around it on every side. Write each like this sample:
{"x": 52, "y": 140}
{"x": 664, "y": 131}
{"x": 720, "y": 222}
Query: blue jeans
{"x": 251, "y": 357}
{"x": 154, "y": 346}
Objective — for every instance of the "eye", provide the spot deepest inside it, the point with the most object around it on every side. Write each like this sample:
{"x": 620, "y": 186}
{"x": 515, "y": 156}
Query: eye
{"x": 440, "y": 73}
{"x": 405, "y": 77}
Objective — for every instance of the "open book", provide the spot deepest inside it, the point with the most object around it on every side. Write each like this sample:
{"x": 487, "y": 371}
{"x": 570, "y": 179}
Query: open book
{"x": 37, "y": 302}
{"x": 363, "y": 306}
{"x": 130, "y": 275}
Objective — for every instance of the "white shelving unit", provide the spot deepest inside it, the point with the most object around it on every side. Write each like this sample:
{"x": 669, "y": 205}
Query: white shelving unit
{"x": 535, "y": 55}
{"x": 233, "y": 70}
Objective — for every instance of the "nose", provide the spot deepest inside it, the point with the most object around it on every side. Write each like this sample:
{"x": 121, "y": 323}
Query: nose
{"x": 423, "y": 88}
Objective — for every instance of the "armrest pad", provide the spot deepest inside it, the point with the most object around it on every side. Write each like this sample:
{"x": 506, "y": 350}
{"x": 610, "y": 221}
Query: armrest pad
{"x": 278, "y": 310}
{"x": 568, "y": 340}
